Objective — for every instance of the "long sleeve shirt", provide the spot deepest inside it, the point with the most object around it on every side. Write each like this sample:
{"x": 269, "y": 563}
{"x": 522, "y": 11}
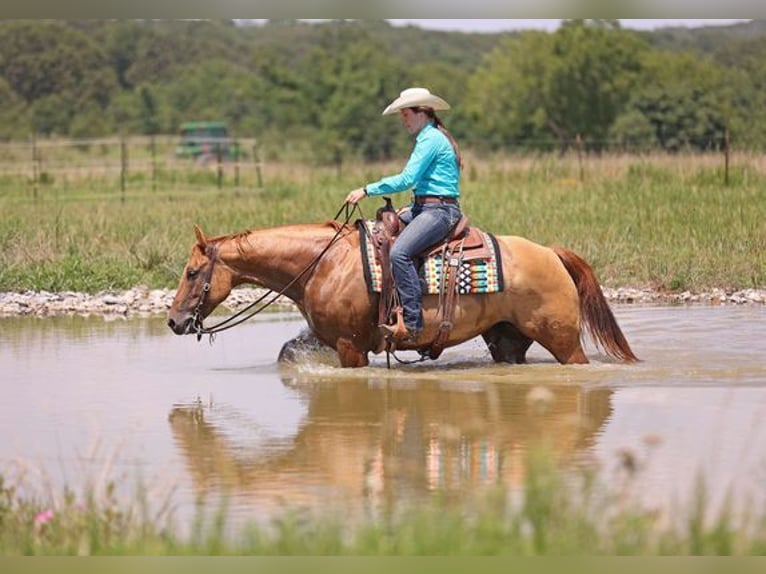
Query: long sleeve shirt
{"x": 432, "y": 168}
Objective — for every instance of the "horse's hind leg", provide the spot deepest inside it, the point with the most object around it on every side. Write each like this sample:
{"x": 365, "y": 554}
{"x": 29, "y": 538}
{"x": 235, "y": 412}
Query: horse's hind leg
{"x": 563, "y": 342}
{"x": 305, "y": 342}
{"x": 506, "y": 343}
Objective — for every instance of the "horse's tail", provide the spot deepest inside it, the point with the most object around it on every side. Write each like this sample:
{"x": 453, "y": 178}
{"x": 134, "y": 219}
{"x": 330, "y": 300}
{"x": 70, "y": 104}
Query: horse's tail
{"x": 597, "y": 316}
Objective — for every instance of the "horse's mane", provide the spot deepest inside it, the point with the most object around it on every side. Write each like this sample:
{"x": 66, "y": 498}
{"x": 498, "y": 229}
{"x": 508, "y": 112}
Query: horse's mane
{"x": 230, "y": 236}
{"x": 335, "y": 225}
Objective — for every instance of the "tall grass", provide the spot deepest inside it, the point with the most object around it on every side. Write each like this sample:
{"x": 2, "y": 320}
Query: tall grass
{"x": 660, "y": 222}
{"x": 554, "y": 514}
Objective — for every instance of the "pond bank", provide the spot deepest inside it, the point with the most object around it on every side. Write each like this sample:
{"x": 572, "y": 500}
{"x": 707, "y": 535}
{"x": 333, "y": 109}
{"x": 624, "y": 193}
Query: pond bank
{"x": 142, "y": 301}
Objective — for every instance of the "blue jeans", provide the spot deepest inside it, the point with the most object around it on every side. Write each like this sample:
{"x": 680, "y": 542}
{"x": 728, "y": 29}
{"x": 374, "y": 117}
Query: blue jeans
{"x": 426, "y": 225}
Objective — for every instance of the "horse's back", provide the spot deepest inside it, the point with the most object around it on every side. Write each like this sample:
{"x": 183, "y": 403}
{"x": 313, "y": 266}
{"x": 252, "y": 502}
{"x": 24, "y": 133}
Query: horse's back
{"x": 529, "y": 266}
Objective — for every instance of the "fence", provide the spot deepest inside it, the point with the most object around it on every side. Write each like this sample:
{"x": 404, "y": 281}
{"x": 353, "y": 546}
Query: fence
{"x": 151, "y": 160}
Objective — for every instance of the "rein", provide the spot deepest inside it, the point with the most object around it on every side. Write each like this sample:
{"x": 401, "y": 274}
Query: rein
{"x": 250, "y": 311}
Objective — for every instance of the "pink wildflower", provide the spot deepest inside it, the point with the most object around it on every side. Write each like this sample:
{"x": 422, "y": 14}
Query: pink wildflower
{"x": 44, "y": 517}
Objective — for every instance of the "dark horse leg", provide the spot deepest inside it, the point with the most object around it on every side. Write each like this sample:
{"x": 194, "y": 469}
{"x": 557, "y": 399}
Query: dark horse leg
{"x": 295, "y": 349}
{"x": 305, "y": 342}
{"x": 507, "y": 344}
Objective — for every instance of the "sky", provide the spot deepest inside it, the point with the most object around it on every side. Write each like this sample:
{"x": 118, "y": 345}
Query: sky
{"x": 550, "y": 25}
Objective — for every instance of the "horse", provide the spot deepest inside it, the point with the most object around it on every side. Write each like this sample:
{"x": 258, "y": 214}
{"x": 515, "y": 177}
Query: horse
{"x": 550, "y": 295}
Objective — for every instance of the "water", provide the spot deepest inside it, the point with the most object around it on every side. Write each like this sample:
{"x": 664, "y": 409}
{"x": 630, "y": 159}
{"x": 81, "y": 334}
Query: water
{"x": 86, "y": 400}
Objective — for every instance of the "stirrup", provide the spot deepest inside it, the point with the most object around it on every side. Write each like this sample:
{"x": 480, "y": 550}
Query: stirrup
{"x": 400, "y": 334}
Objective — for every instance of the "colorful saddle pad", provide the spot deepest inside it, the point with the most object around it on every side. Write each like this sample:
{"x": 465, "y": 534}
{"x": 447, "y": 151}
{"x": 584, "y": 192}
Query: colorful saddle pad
{"x": 476, "y": 275}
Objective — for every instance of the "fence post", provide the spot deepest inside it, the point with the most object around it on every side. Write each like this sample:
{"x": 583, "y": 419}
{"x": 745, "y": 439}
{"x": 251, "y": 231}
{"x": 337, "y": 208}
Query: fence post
{"x": 257, "y": 161}
{"x": 726, "y": 142}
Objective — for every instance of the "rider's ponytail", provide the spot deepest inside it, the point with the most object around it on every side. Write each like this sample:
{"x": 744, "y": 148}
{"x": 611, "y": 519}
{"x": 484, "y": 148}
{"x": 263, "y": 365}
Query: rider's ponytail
{"x": 440, "y": 126}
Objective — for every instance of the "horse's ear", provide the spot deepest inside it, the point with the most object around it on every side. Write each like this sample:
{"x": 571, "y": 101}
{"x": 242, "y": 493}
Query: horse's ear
{"x": 201, "y": 239}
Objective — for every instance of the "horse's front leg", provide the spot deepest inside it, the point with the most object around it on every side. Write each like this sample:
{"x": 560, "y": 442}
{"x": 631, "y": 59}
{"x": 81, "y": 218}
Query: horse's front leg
{"x": 349, "y": 355}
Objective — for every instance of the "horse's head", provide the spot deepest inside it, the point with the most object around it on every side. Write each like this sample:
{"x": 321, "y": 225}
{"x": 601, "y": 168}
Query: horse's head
{"x": 205, "y": 283}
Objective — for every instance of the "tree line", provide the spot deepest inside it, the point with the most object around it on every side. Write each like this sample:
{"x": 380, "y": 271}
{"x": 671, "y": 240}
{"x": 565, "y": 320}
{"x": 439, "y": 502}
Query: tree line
{"x": 317, "y": 89}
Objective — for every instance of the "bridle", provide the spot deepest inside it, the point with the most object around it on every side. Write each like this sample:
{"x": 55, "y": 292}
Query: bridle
{"x": 211, "y": 251}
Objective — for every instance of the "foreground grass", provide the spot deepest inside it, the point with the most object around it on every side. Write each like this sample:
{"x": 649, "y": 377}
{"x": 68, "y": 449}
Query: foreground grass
{"x": 554, "y": 516}
{"x": 665, "y": 223}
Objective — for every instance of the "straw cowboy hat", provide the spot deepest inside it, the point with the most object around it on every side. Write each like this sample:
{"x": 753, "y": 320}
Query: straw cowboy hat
{"x": 415, "y": 98}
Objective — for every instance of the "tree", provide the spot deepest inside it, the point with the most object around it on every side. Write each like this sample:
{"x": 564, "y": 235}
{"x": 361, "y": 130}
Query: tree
{"x": 595, "y": 67}
{"x": 12, "y": 113}
{"x": 357, "y": 81}
{"x": 44, "y": 59}
{"x": 52, "y": 114}
{"x": 505, "y": 96}
{"x": 544, "y": 89}
{"x": 122, "y": 47}
{"x": 149, "y": 113}
{"x": 684, "y": 98}
{"x": 745, "y": 63}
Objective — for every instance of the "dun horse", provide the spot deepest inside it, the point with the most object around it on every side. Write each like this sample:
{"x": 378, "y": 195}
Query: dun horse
{"x": 550, "y": 295}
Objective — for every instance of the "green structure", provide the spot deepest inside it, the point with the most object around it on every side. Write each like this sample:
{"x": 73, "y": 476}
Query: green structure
{"x": 205, "y": 141}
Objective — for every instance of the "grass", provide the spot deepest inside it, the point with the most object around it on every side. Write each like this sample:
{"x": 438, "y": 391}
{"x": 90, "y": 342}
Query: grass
{"x": 554, "y": 514}
{"x": 668, "y": 223}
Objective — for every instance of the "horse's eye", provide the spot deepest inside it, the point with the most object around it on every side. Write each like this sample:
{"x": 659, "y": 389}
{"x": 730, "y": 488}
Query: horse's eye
{"x": 191, "y": 274}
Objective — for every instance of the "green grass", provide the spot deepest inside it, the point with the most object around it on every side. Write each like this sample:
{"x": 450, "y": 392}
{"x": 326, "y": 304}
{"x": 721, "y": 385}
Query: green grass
{"x": 556, "y": 513}
{"x": 665, "y": 223}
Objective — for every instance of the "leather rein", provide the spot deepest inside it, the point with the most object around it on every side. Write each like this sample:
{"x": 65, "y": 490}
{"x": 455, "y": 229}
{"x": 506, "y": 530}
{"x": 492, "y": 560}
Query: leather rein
{"x": 211, "y": 251}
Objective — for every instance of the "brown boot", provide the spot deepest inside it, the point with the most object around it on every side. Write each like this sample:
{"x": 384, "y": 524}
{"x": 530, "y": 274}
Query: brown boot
{"x": 407, "y": 336}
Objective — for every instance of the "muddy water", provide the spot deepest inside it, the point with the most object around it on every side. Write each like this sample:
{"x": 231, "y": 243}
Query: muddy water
{"x": 84, "y": 399}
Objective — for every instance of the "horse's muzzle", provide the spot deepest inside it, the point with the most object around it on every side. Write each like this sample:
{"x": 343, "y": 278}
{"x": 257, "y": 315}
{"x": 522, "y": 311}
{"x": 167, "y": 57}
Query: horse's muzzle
{"x": 183, "y": 327}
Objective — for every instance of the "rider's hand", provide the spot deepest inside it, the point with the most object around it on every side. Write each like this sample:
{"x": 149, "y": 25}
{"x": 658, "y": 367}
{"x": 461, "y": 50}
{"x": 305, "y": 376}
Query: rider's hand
{"x": 356, "y": 195}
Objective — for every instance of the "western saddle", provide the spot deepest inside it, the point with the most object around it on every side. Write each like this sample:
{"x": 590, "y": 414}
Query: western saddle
{"x": 462, "y": 244}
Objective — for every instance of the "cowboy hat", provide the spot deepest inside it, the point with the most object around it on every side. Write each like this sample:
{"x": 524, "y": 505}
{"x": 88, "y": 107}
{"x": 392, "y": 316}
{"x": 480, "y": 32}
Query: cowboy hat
{"x": 415, "y": 98}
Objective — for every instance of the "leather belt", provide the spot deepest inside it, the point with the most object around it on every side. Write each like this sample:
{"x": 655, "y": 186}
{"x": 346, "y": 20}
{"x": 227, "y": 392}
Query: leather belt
{"x": 423, "y": 199}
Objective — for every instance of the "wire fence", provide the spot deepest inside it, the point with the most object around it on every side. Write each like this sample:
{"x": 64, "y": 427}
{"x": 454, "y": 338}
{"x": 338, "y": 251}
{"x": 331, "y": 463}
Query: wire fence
{"x": 161, "y": 162}
{"x": 150, "y": 160}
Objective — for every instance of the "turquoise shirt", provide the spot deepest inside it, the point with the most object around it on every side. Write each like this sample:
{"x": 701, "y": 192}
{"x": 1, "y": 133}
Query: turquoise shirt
{"x": 431, "y": 170}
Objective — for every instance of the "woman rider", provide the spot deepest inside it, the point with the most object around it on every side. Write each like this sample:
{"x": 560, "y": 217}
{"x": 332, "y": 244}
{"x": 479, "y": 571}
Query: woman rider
{"x": 433, "y": 173}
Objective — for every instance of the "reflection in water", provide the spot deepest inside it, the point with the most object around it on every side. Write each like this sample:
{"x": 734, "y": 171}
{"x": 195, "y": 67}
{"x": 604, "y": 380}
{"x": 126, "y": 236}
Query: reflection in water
{"x": 314, "y": 434}
{"x": 382, "y": 441}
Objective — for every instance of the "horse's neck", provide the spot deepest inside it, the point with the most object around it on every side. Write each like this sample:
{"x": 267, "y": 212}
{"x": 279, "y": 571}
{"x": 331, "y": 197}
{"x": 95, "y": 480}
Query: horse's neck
{"x": 275, "y": 257}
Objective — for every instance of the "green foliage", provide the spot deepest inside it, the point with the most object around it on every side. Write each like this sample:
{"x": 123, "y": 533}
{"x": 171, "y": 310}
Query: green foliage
{"x": 56, "y": 70}
{"x": 321, "y": 86}
{"x": 550, "y": 88}
{"x": 683, "y": 103}
{"x": 356, "y": 81}
{"x": 560, "y": 512}
{"x": 71, "y": 273}
{"x": 633, "y": 131}
{"x": 654, "y": 221}
{"x": 505, "y": 94}
{"x": 593, "y": 68}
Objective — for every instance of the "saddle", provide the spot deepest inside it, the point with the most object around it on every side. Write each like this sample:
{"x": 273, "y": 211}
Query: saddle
{"x": 463, "y": 243}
